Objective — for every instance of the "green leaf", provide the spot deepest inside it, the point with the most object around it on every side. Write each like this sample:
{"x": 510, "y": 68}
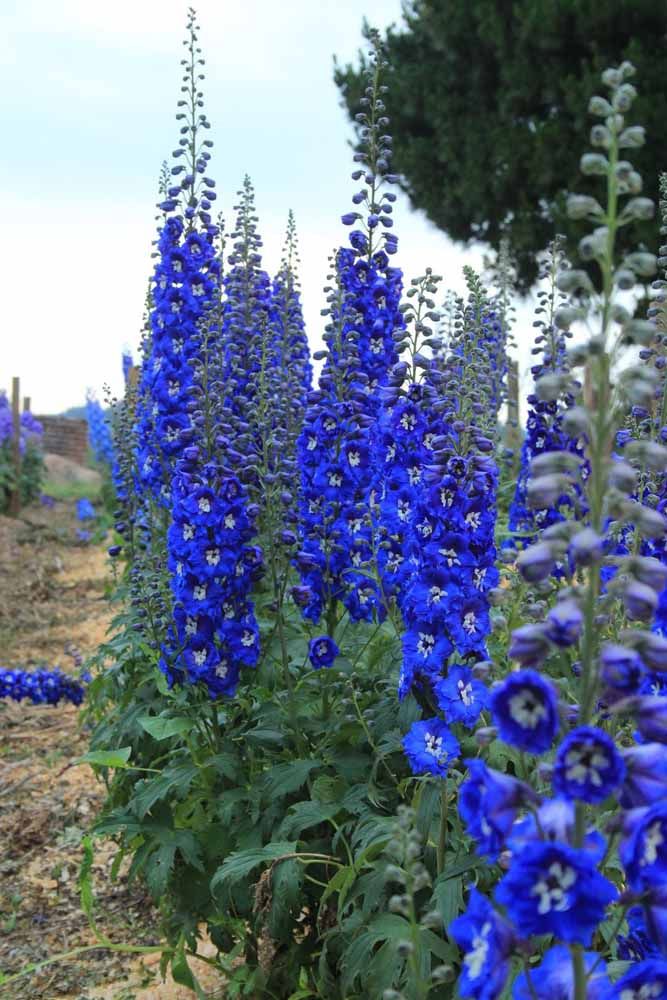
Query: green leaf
{"x": 303, "y": 815}
{"x": 162, "y": 727}
{"x": 107, "y": 758}
{"x": 174, "y": 780}
{"x": 283, "y": 779}
{"x": 286, "y": 882}
{"x": 356, "y": 958}
{"x": 448, "y": 898}
{"x": 182, "y": 973}
{"x": 241, "y": 863}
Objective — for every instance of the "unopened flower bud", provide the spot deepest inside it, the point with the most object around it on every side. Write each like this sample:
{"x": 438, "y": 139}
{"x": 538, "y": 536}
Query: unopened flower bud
{"x": 640, "y": 601}
{"x": 586, "y": 547}
{"x": 536, "y": 562}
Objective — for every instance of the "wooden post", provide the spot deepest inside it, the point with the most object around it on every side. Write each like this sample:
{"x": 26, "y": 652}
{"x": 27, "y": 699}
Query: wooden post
{"x": 15, "y": 498}
{"x": 26, "y": 404}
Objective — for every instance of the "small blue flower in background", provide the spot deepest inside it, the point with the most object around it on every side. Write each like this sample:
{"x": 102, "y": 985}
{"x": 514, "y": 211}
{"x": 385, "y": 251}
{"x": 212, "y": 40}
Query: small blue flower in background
{"x": 127, "y": 362}
{"x": 41, "y": 687}
{"x": 553, "y": 978}
{"x": 322, "y": 651}
{"x": 99, "y": 431}
{"x": 525, "y": 709}
{"x": 83, "y": 535}
{"x": 486, "y": 940}
{"x": 588, "y": 766}
{"x": 555, "y": 889}
{"x": 461, "y": 696}
{"x": 430, "y": 746}
{"x": 85, "y": 510}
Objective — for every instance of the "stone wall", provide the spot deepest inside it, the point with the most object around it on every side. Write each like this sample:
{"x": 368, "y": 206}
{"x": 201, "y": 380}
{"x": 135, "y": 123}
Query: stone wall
{"x": 63, "y": 436}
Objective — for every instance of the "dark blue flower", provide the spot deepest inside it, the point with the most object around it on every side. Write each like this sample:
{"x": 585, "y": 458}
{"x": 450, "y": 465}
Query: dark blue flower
{"x": 644, "y": 981}
{"x": 460, "y": 696}
{"x": 553, "y": 978}
{"x": 322, "y": 651}
{"x": 486, "y": 940}
{"x": 488, "y": 804}
{"x": 643, "y": 848}
{"x": 645, "y": 775}
{"x": 525, "y": 709}
{"x": 588, "y": 766}
{"x": 430, "y": 747}
{"x": 555, "y": 889}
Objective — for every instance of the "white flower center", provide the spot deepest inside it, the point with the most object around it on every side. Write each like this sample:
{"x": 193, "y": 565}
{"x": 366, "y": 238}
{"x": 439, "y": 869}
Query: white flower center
{"x": 199, "y": 656}
{"x": 213, "y": 556}
{"x": 408, "y": 421}
{"x": 526, "y": 709}
{"x": 221, "y": 670}
{"x": 433, "y": 746}
{"x": 469, "y": 622}
{"x": 582, "y": 765}
{"x": 451, "y": 557}
{"x": 436, "y": 594}
{"x": 190, "y": 625}
{"x": 473, "y": 519}
{"x": 426, "y": 644}
{"x": 552, "y": 888}
{"x": 199, "y": 592}
{"x": 248, "y": 639}
{"x": 475, "y": 959}
{"x": 354, "y": 458}
{"x": 230, "y": 521}
{"x": 188, "y": 532}
{"x": 652, "y": 841}
{"x": 335, "y": 479}
{"x": 465, "y": 692}
{"x": 204, "y": 505}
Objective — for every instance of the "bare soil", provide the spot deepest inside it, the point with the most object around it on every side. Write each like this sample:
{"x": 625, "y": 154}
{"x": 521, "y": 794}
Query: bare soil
{"x": 52, "y": 597}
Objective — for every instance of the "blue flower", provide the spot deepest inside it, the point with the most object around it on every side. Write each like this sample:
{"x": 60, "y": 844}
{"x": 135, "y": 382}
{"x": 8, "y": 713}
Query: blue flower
{"x": 41, "y": 687}
{"x": 85, "y": 510}
{"x": 553, "y": 978}
{"x": 645, "y": 775}
{"x": 430, "y": 746}
{"x": 644, "y": 981}
{"x": 588, "y": 766}
{"x": 643, "y": 848}
{"x": 525, "y": 709}
{"x": 322, "y": 651}
{"x": 486, "y": 940}
{"x": 461, "y": 696}
{"x": 555, "y": 889}
{"x": 488, "y": 804}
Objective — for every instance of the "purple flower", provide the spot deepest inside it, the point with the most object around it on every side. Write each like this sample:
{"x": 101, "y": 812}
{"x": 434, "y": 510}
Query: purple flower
{"x": 644, "y": 980}
{"x": 643, "y": 848}
{"x": 646, "y": 775}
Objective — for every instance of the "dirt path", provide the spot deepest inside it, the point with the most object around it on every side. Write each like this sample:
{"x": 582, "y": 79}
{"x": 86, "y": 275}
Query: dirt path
{"x": 52, "y": 595}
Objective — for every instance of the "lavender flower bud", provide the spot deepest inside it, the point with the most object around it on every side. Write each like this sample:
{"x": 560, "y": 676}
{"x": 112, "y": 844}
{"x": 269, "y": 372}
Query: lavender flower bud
{"x": 564, "y": 623}
{"x": 545, "y": 491}
{"x": 623, "y": 477}
{"x": 648, "y": 522}
{"x": 648, "y": 570}
{"x": 640, "y": 601}
{"x": 586, "y": 547}
{"x": 536, "y": 562}
{"x": 529, "y": 645}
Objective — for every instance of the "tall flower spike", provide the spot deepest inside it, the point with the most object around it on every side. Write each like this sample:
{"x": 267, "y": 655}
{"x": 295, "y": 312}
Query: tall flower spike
{"x": 184, "y": 288}
{"x": 545, "y": 431}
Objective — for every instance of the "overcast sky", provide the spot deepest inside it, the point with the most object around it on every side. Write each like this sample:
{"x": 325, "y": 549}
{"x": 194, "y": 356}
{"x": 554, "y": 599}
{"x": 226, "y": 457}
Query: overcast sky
{"x": 90, "y": 89}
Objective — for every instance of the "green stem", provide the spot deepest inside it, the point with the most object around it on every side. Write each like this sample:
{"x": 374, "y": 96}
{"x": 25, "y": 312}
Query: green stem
{"x": 442, "y": 838}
